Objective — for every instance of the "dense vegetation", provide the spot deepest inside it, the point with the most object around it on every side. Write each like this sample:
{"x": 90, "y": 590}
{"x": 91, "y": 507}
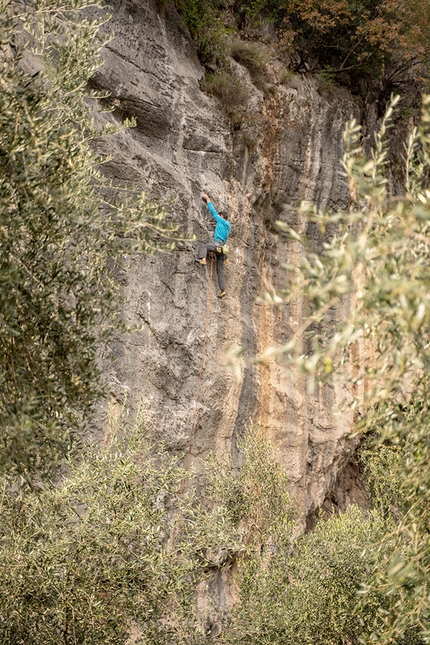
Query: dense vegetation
{"x": 352, "y": 41}
{"x": 84, "y": 561}
{"x": 120, "y": 545}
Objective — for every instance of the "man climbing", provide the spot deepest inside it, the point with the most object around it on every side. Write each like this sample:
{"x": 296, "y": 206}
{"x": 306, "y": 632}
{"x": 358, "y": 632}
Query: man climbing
{"x": 222, "y": 231}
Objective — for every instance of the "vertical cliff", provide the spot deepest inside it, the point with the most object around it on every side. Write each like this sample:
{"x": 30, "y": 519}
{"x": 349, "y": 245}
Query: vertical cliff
{"x": 287, "y": 149}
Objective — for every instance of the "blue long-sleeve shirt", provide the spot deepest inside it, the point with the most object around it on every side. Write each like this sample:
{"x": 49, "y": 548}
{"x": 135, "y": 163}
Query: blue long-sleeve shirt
{"x": 222, "y": 228}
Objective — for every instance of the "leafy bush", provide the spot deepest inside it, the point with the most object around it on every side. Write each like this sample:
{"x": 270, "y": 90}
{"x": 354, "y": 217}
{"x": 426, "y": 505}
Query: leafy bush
{"x": 120, "y": 544}
{"x": 356, "y": 40}
{"x": 378, "y": 260}
{"x": 107, "y": 550}
{"x": 257, "y": 498}
{"x": 308, "y": 595}
{"x": 381, "y": 463}
{"x": 202, "y": 18}
{"x": 292, "y": 590}
{"x": 249, "y": 12}
{"x": 59, "y": 234}
{"x": 252, "y": 56}
{"x": 231, "y": 92}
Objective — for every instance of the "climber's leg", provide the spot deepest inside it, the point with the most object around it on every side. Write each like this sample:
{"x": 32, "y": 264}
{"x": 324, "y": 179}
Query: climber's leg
{"x": 220, "y": 271}
{"x": 202, "y": 252}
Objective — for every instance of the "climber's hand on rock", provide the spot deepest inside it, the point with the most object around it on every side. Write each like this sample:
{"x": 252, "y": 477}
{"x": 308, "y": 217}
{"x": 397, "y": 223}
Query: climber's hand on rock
{"x": 205, "y": 197}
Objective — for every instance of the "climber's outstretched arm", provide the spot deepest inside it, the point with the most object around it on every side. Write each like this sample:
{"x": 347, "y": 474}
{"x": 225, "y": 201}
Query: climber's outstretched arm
{"x": 211, "y": 207}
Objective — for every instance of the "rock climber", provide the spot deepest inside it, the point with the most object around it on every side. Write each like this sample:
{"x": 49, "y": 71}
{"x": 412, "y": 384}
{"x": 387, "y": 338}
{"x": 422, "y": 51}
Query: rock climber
{"x": 222, "y": 231}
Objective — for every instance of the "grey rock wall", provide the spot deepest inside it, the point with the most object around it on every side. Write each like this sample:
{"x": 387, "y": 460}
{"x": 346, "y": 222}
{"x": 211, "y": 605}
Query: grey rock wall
{"x": 287, "y": 149}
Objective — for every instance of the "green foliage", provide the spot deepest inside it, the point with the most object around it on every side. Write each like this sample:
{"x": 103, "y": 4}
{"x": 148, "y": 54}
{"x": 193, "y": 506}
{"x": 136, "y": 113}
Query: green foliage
{"x": 329, "y": 570}
{"x": 355, "y": 39}
{"x": 325, "y": 79}
{"x": 375, "y": 267}
{"x": 231, "y": 92}
{"x": 382, "y": 465}
{"x": 256, "y": 499}
{"x": 252, "y": 11}
{"x": 252, "y": 56}
{"x": 403, "y": 574}
{"x": 107, "y": 550}
{"x": 59, "y": 234}
{"x": 308, "y": 595}
{"x": 122, "y": 543}
{"x": 294, "y": 590}
{"x": 202, "y": 18}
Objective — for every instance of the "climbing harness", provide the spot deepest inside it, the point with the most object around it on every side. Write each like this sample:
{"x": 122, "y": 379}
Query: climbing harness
{"x": 196, "y": 399}
{"x": 223, "y": 250}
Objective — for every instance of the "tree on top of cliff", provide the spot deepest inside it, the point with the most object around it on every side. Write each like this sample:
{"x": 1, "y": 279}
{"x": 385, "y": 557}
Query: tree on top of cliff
{"x": 361, "y": 38}
{"x": 350, "y": 39}
{"x": 58, "y": 232}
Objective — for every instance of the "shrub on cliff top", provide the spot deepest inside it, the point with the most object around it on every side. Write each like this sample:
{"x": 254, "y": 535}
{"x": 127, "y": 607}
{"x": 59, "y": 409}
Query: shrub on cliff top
{"x": 202, "y": 18}
{"x": 231, "y": 92}
{"x": 252, "y": 56}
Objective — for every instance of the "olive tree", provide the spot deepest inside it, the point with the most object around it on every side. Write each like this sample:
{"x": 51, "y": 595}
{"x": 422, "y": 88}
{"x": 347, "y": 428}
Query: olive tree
{"x": 106, "y": 553}
{"x": 63, "y": 228}
{"x": 375, "y": 267}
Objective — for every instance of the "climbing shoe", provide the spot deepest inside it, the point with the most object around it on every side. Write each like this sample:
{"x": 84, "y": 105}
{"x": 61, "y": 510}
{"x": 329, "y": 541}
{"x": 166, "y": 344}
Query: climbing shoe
{"x": 201, "y": 261}
{"x": 222, "y": 294}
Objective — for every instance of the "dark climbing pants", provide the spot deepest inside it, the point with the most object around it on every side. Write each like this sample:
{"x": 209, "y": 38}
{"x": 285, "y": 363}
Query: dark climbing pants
{"x": 220, "y": 258}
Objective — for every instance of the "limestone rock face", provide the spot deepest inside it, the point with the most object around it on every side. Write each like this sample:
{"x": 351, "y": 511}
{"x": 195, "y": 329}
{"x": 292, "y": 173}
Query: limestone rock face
{"x": 287, "y": 149}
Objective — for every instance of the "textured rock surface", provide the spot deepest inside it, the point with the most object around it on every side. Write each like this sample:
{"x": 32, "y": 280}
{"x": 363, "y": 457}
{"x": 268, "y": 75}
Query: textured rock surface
{"x": 287, "y": 150}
